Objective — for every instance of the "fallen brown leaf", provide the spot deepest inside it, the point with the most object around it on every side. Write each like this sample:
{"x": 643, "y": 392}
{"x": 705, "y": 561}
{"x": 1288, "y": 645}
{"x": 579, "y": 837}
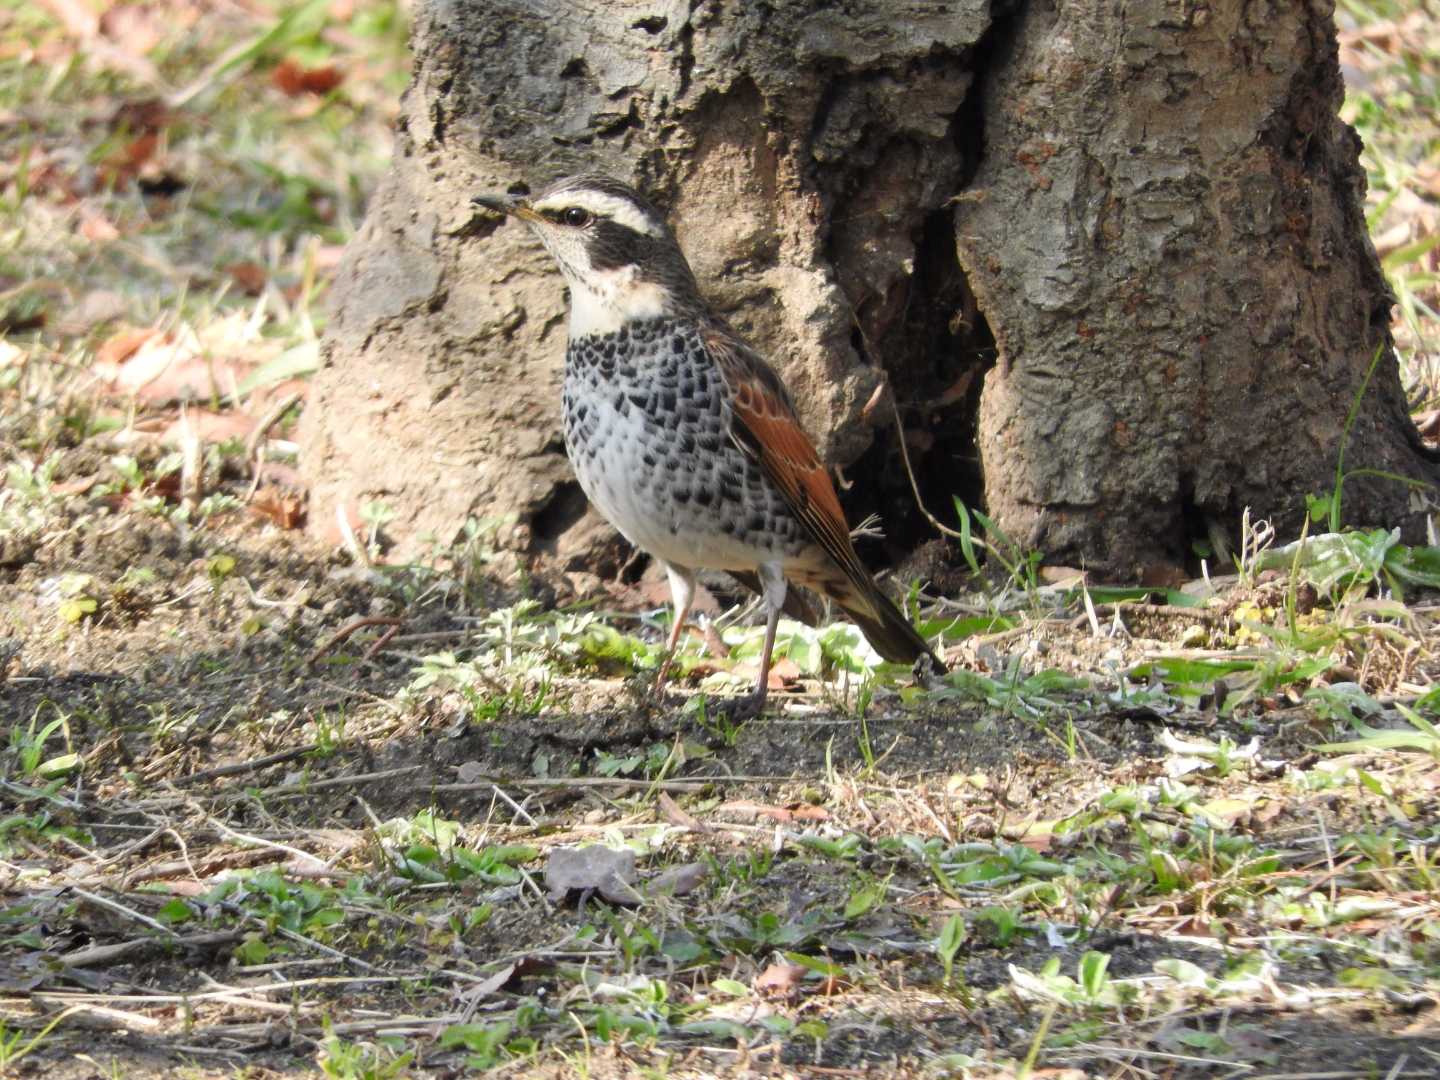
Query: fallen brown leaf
{"x": 779, "y": 980}
{"x": 808, "y": 812}
{"x": 287, "y": 511}
{"x": 292, "y": 79}
{"x": 75, "y": 487}
{"x": 170, "y": 367}
{"x": 125, "y": 164}
{"x": 121, "y": 345}
{"x": 99, "y": 229}
{"x": 250, "y": 276}
{"x": 784, "y": 672}
{"x": 676, "y": 815}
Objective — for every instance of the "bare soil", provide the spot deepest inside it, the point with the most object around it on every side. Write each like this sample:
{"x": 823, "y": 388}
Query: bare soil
{"x": 197, "y": 696}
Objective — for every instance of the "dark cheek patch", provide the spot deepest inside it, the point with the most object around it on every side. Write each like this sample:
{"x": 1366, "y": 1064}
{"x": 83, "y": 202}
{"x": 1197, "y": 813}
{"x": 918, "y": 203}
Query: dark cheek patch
{"x": 613, "y": 246}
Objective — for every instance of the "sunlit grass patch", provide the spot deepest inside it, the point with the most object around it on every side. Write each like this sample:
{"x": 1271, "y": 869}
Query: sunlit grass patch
{"x": 1130, "y": 827}
{"x": 1391, "y": 61}
{"x": 165, "y": 165}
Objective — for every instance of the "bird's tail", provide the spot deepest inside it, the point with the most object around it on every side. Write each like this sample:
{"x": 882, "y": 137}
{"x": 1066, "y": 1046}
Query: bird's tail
{"x": 883, "y": 624}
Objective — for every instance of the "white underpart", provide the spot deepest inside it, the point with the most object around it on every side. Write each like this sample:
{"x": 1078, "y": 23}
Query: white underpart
{"x": 604, "y": 301}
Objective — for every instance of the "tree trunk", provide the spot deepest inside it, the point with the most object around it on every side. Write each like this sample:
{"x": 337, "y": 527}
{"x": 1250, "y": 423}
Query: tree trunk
{"x": 1166, "y": 235}
{"x": 1155, "y": 206}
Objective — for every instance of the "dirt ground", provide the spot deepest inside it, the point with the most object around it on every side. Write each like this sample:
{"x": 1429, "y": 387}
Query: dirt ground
{"x": 198, "y": 696}
{"x": 266, "y": 810}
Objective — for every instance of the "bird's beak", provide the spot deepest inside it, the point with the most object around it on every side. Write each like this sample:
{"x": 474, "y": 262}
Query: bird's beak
{"x": 512, "y": 205}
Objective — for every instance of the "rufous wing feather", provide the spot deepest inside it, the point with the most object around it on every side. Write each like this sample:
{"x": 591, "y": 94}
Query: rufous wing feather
{"x": 765, "y": 426}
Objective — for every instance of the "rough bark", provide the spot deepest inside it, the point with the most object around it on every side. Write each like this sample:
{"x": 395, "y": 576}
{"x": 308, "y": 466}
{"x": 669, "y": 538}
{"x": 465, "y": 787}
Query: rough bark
{"x": 1157, "y": 211}
{"x": 799, "y": 151}
{"x": 1166, "y": 236}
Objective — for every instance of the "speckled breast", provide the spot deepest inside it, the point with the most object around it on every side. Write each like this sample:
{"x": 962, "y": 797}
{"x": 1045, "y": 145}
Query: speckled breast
{"x": 647, "y": 430}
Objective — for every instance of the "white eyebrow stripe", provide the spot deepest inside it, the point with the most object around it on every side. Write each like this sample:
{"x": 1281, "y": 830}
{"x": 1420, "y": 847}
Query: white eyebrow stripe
{"x": 601, "y": 205}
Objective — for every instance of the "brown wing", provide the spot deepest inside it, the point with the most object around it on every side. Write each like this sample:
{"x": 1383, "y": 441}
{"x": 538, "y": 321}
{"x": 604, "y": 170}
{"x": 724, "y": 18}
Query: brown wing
{"x": 766, "y": 428}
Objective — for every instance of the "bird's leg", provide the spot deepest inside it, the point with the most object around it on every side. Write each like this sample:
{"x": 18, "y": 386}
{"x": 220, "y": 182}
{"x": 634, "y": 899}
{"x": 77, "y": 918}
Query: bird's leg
{"x": 772, "y": 579}
{"x": 682, "y": 593}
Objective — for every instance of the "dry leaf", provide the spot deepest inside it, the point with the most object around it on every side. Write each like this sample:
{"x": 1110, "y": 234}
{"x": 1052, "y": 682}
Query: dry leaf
{"x": 287, "y": 511}
{"x": 292, "y": 79}
{"x": 509, "y": 973}
{"x": 121, "y": 345}
{"x": 779, "y": 980}
{"x": 808, "y": 812}
{"x": 99, "y": 229}
{"x": 784, "y": 672}
{"x": 250, "y": 276}
{"x": 496, "y": 982}
{"x": 75, "y": 487}
{"x": 677, "y": 816}
{"x": 592, "y": 868}
{"x": 1193, "y": 927}
{"x": 171, "y": 367}
{"x": 322, "y": 80}
{"x": 125, "y": 163}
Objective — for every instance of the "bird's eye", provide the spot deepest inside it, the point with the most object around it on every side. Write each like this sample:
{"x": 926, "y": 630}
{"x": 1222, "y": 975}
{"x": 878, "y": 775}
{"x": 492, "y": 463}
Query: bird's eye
{"x": 577, "y": 217}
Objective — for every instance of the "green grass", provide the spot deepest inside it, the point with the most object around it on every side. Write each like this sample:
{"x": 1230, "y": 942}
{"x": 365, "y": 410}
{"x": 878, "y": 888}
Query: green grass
{"x": 1241, "y": 782}
{"x": 134, "y": 182}
{"x": 1394, "y": 103}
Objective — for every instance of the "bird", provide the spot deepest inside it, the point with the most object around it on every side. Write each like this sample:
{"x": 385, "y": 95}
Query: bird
{"x": 681, "y": 434}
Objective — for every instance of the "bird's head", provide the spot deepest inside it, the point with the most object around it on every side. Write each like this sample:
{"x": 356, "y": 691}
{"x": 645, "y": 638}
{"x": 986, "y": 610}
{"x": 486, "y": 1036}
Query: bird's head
{"x": 618, "y": 256}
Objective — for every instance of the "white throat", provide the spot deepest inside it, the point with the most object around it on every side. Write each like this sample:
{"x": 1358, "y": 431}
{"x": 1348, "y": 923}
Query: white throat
{"x": 607, "y": 300}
